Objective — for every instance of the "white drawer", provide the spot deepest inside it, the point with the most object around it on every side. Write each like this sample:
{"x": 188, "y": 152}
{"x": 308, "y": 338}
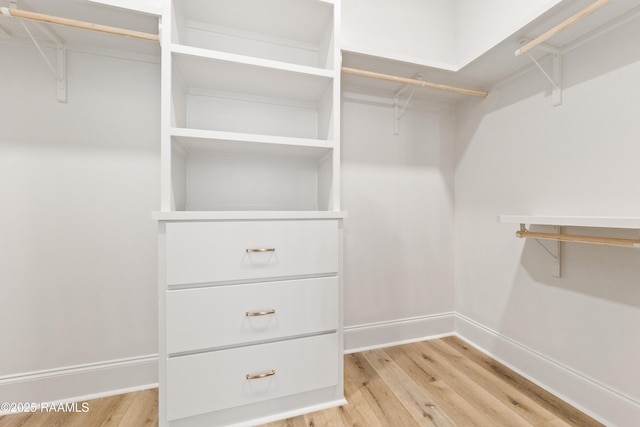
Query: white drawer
{"x": 215, "y": 317}
{"x": 208, "y": 382}
{"x": 201, "y": 252}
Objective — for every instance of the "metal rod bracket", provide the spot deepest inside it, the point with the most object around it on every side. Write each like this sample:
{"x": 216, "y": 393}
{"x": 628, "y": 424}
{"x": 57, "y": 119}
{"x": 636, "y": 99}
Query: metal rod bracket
{"x": 60, "y": 69}
{"x": 398, "y": 111}
{"x": 61, "y": 66}
{"x": 555, "y": 78}
{"x": 552, "y": 247}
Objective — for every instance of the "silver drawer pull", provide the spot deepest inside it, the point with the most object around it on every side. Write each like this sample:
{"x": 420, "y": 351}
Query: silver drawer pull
{"x": 260, "y": 313}
{"x": 261, "y": 250}
{"x": 265, "y": 375}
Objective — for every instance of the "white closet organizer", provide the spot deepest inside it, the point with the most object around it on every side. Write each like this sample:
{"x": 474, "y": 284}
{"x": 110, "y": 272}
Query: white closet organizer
{"x": 250, "y": 227}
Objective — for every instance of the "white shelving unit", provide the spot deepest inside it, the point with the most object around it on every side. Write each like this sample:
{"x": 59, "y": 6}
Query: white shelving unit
{"x": 251, "y": 106}
{"x": 250, "y": 227}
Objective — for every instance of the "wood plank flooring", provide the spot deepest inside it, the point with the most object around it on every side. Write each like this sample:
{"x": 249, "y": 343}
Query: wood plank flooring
{"x": 124, "y": 410}
{"x": 442, "y": 382}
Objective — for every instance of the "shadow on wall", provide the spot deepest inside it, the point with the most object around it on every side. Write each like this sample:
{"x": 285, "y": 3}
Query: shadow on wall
{"x": 602, "y": 272}
{"x": 578, "y": 333}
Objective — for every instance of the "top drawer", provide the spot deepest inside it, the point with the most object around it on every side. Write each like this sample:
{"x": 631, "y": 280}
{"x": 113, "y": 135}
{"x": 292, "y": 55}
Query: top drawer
{"x": 202, "y": 252}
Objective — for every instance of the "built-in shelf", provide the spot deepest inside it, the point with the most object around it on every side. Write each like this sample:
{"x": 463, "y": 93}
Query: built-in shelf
{"x": 242, "y": 74}
{"x": 192, "y": 140}
{"x": 573, "y": 221}
{"x": 245, "y": 215}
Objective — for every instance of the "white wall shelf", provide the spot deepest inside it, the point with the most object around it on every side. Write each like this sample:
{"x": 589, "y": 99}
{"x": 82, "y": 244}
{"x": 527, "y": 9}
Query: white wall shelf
{"x": 245, "y": 215}
{"x": 192, "y": 140}
{"x": 241, "y": 74}
{"x": 573, "y": 221}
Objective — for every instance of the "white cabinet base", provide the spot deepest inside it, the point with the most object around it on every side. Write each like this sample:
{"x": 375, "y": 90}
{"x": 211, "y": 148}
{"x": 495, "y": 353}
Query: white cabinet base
{"x": 268, "y": 411}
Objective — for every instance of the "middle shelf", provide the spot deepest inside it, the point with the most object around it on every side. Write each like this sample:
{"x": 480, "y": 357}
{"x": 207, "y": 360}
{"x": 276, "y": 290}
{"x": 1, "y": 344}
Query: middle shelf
{"x": 217, "y": 91}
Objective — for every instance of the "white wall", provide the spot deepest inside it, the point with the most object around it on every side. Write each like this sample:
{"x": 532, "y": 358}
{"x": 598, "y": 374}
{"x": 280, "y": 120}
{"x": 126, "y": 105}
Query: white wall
{"x": 480, "y": 25}
{"x": 516, "y": 154}
{"x": 398, "y": 235}
{"x": 417, "y": 31}
{"x": 78, "y": 182}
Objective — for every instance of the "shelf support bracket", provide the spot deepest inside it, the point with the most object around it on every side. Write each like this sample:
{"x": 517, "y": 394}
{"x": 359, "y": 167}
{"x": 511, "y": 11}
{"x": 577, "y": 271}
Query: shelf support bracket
{"x": 62, "y": 74}
{"x": 398, "y": 111}
{"x": 555, "y": 79}
{"x": 553, "y": 249}
{"x": 60, "y": 70}
{"x": 556, "y": 70}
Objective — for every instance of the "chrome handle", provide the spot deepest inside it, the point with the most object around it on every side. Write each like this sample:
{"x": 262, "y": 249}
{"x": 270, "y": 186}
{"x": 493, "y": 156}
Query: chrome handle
{"x": 257, "y": 377}
{"x": 260, "y": 313}
{"x": 261, "y": 250}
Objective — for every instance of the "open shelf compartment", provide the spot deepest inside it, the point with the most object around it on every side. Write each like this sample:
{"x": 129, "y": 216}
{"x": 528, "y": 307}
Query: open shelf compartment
{"x": 292, "y": 31}
{"x": 213, "y": 93}
{"x": 217, "y": 174}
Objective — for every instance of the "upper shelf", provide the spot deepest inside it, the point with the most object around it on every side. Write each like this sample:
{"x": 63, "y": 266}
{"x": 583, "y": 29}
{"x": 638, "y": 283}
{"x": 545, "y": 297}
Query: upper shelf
{"x": 574, "y": 221}
{"x": 301, "y": 20}
{"x": 244, "y": 74}
{"x": 293, "y": 31}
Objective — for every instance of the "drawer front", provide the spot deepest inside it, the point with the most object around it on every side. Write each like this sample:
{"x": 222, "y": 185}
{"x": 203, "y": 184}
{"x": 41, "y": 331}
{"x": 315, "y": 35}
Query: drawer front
{"x": 227, "y": 315}
{"x": 208, "y": 382}
{"x": 202, "y": 252}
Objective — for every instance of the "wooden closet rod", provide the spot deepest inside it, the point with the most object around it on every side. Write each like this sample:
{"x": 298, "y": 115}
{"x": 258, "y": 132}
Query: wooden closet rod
{"x": 414, "y": 82}
{"x": 555, "y": 30}
{"x": 40, "y": 17}
{"x": 609, "y": 241}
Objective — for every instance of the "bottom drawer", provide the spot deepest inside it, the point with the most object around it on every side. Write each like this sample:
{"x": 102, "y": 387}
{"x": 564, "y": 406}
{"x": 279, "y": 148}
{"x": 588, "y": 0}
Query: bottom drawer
{"x": 208, "y": 382}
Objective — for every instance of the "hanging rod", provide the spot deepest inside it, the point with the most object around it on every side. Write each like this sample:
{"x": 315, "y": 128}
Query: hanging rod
{"x": 407, "y": 81}
{"x": 40, "y": 17}
{"x": 609, "y": 241}
{"x": 568, "y": 22}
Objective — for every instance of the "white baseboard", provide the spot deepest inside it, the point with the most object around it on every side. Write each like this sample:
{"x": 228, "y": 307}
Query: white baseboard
{"x": 81, "y": 382}
{"x": 593, "y": 398}
{"x": 396, "y": 332}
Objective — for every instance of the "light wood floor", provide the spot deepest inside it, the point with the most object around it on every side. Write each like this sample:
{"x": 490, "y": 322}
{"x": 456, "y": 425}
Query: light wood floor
{"x": 441, "y": 382}
{"x": 131, "y": 409}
